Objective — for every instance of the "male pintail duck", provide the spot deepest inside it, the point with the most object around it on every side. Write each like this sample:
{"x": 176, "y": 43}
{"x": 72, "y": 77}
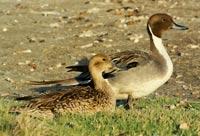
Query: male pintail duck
{"x": 141, "y": 73}
{"x": 80, "y": 99}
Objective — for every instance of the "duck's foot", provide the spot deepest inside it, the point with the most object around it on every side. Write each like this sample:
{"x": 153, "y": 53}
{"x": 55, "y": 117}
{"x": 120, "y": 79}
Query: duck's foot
{"x": 129, "y": 103}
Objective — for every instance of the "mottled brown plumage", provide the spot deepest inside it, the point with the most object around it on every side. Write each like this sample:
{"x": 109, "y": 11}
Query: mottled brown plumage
{"x": 82, "y": 99}
{"x": 74, "y": 99}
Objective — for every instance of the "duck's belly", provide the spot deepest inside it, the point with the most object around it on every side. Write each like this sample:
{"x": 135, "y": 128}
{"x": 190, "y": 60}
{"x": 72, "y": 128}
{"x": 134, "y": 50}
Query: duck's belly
{"x": 138, "y": 84}
{"x": 140, "y": 90}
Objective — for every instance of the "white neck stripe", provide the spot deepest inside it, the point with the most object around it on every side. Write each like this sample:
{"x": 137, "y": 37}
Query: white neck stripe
{"x": 158, "y": 44}
{"x": 161, "y": 49}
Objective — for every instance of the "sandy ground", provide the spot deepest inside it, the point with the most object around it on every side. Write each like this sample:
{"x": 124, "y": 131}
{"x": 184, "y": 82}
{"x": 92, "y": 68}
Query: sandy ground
{"x": 39, "y": 38}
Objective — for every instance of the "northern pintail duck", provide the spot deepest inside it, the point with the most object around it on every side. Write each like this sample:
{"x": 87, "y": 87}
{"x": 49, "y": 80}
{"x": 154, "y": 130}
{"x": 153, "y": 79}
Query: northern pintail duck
{"x": 81, "y": 99}
{"x": 141, "y": 73}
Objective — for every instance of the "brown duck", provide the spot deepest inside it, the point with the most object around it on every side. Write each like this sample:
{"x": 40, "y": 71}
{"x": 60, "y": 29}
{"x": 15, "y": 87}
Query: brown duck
{"x": 82, "y": 99}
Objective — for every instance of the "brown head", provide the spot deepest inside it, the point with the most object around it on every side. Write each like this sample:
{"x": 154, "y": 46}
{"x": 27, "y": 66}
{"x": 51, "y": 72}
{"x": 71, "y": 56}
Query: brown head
{"x": 100, "y": 63}
{"x": 160, "y": 22}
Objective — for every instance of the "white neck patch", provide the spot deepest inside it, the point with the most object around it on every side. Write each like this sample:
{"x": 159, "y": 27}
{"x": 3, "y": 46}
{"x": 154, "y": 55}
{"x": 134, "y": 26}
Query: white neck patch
{"x": 161, "y": 49}
{"x": 158, "y": 43}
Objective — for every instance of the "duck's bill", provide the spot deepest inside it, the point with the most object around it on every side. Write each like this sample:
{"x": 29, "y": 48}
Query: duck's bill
{"x": 178, "y": 27}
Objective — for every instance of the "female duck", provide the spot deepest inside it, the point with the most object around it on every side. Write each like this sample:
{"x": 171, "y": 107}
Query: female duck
{"x": 82, "y": 99}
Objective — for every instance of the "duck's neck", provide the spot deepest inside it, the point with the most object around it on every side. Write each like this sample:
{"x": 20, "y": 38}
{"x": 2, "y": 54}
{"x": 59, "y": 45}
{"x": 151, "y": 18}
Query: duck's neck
{"x": 99, "y": 82}
{"x": 158, "y": 51}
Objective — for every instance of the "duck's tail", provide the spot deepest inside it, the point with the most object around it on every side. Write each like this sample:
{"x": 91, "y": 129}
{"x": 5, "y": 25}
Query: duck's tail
{"x": 25, "y": 98}
{"x": 16, "y": 109}
{"x": 78, "y": 68}
{"x": 68, "y": 82}
{"x": 23, "y": 110}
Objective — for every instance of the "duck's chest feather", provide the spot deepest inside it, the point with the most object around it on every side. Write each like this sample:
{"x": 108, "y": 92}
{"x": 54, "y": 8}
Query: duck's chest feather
{"x": 143, "y": 80}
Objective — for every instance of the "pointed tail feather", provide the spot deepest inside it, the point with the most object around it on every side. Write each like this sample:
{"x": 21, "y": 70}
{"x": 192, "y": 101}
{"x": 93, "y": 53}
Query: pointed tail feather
{"x": 78, "y": 68}
{"x": 67, "y": 82}
{"x": 25, "y": 98}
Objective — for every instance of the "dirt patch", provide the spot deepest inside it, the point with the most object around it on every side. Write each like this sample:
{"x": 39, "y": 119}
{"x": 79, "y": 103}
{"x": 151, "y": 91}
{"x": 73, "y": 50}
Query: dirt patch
{"x": 38, "y": 39}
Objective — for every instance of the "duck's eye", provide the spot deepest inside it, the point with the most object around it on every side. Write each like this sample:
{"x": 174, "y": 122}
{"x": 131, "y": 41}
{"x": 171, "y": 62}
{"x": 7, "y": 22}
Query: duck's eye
{"x": 164, "y": 20}
{"x": 104, "y": 59}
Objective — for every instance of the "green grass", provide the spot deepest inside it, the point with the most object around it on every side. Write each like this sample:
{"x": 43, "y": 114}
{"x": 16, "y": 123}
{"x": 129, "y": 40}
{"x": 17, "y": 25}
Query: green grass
{"x": 149, "y": 117}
